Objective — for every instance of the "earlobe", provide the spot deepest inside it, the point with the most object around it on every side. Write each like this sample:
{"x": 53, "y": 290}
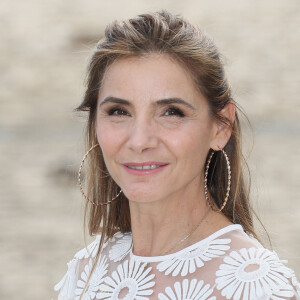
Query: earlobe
{"x": 224, "y": 130}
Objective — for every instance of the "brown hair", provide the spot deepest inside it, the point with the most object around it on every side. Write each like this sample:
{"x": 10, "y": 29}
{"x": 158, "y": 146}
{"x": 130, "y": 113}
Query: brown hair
{"x": 167, "y": 34}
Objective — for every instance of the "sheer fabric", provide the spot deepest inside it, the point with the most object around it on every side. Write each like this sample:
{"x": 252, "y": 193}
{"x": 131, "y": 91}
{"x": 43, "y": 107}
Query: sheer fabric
{"x": 229, "y": 264}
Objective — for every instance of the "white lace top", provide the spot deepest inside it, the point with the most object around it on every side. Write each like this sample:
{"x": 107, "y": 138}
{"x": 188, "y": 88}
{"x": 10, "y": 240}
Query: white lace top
{"x": 228, "y": 264}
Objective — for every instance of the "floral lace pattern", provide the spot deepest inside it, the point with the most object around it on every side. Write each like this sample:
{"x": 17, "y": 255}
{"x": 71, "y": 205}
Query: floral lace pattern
{"x": 67, "y": 284}
{"x": 90, "y": 250}
{"x": 208, "y": 270}
{"x": 132, "y": 275}
{"x": 188, "y": 261}
{"x": 121, "y": 248}
{"x": 251, "y": 274}
{"x": 195, "y": 290}
{"x": 96, "y": 279}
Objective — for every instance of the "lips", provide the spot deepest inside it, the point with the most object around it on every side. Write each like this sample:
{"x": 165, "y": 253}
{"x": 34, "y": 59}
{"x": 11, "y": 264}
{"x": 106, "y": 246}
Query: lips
{"x": 144, "y": 168}
{"x": 145, "y": 164}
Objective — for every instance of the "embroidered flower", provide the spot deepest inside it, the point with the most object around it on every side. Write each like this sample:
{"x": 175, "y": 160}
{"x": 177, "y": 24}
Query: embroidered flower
{"x": 121, "y": 248}
{"x": 96, "y": 279}
{"x": 292, "y": 276}
{"x": 90, "y": 250}
{"x": 251, "y": 274}
{"x": 195, "y": 290}
{"x": 131, "y": 278}
{"x": 295, "y": 282}
{"x": 67, "y": 284}
{"x": 187, "y": 261}
{"x": 283, "y": 294}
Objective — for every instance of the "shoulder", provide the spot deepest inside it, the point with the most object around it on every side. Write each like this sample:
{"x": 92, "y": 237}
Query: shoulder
{"x": 238, "y": 237}
{"x": 117, "y": 241}
{"x": 247, "y": 268}
{"x": 80, "y": 266}
{"x": 75, "y": 267}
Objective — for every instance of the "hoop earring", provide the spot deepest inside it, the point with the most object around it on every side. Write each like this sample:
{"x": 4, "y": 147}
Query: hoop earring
{"x": 79, "y": 182}
{"x": 228, "y": 184}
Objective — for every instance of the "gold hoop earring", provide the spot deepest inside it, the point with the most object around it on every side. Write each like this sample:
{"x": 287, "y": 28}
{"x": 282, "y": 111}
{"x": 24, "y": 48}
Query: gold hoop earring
{"x": 79, "y": 182}
{"x": 228, "y": 184}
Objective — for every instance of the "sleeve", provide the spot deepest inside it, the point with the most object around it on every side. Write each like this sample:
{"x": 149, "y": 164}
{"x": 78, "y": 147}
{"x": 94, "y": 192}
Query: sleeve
{"x": 67, "y": 284}
{"x": 77, "y": 267}
{"x": 273, "y": 277}
{"x": 255, "y": 273}
{"x": 294, "y": 284}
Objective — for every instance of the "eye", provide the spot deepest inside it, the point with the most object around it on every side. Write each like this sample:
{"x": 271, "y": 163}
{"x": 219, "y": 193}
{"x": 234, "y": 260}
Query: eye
{"x": 173, "y": 111}
{"x": 117, "y": 112}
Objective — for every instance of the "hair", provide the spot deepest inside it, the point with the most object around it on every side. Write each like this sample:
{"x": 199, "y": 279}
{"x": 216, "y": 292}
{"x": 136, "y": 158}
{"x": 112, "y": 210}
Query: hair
{"x": 166, "y": 34}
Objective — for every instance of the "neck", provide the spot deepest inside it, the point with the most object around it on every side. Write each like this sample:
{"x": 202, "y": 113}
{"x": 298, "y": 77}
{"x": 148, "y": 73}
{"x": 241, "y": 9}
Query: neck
{"x": 159, "y": 225}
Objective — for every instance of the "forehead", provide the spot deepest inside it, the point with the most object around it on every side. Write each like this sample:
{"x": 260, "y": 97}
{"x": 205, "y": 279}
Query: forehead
{"x": 153, "y": 76}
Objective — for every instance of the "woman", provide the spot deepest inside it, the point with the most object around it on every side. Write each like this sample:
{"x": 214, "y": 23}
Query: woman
{"x": 166, "y": 196}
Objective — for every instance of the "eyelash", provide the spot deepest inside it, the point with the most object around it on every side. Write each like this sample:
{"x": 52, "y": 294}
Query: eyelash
{"x": 112, "y": 111}
{"x": 177, "y": 111}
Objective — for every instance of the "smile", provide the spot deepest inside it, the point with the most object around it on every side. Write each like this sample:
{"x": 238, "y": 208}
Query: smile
{"x": 147, "y": 167}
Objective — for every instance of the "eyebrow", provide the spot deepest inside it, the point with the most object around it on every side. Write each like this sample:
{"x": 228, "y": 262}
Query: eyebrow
{"x": 166, "y": 101}
{"x": 174, "y": 101}
{"x": 111, "y": 99}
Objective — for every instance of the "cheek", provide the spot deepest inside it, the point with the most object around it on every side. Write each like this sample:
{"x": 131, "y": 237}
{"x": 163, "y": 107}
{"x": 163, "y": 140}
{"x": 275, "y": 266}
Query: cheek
{"x": 108, "y": 140}
{"x": 192, "y": 145}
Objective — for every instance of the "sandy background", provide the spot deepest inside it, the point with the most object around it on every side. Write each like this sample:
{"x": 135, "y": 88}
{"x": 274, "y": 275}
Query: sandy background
{"x": 44, "y": 49}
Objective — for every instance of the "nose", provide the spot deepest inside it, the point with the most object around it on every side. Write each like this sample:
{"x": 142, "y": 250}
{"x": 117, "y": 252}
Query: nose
{"x": 142, "y": 136}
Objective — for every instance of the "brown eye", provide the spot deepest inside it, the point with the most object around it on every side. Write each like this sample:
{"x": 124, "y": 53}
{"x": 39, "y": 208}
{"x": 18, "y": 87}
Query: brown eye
{"x": 117, "y": 112}
{"x": 172, "y": 111}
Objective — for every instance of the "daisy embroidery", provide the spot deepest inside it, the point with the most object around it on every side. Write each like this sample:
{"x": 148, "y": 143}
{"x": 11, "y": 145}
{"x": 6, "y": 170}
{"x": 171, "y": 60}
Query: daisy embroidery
{"x": 95, "y": 281}
{"x": 187, "y": 261}
{"x": 251, "y": 274}
{"x": 116, "y": 236}
{"x": 295, "y": 282}
{"x": 67, "y": 284}
{"x": 283, "y": 294}
{"x": 131, "y": 281}
{"x": 291, "y": 274}
{"x": 90, "y": 250}
{"x": 121, "y": 248}
{"x": 193, "y": 290}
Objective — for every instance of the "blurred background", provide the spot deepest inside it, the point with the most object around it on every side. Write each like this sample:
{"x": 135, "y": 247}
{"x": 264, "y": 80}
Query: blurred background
{"x": 44, "y": 49}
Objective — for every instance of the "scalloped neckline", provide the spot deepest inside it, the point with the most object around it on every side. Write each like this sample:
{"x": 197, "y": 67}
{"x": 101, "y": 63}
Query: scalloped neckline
{"x": 214, "y": 235}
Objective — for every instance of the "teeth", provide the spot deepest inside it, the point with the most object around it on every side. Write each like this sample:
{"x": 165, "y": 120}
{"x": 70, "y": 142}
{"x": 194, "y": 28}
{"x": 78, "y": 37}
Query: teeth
{"x": 143, "y": 167}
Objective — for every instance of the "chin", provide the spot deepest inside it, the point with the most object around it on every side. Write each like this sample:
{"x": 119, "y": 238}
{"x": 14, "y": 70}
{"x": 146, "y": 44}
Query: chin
{"x": 140, "y": 196}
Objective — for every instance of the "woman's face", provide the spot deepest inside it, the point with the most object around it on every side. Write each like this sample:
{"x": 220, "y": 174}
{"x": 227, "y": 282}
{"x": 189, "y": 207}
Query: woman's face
{"x": 154, "y": 128}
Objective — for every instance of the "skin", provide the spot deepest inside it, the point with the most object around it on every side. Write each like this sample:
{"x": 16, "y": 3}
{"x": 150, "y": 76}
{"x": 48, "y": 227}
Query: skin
{"x": 167, "y": 205}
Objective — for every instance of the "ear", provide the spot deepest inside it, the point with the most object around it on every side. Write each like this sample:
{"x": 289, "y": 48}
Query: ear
{"x": 223, "y": 131}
